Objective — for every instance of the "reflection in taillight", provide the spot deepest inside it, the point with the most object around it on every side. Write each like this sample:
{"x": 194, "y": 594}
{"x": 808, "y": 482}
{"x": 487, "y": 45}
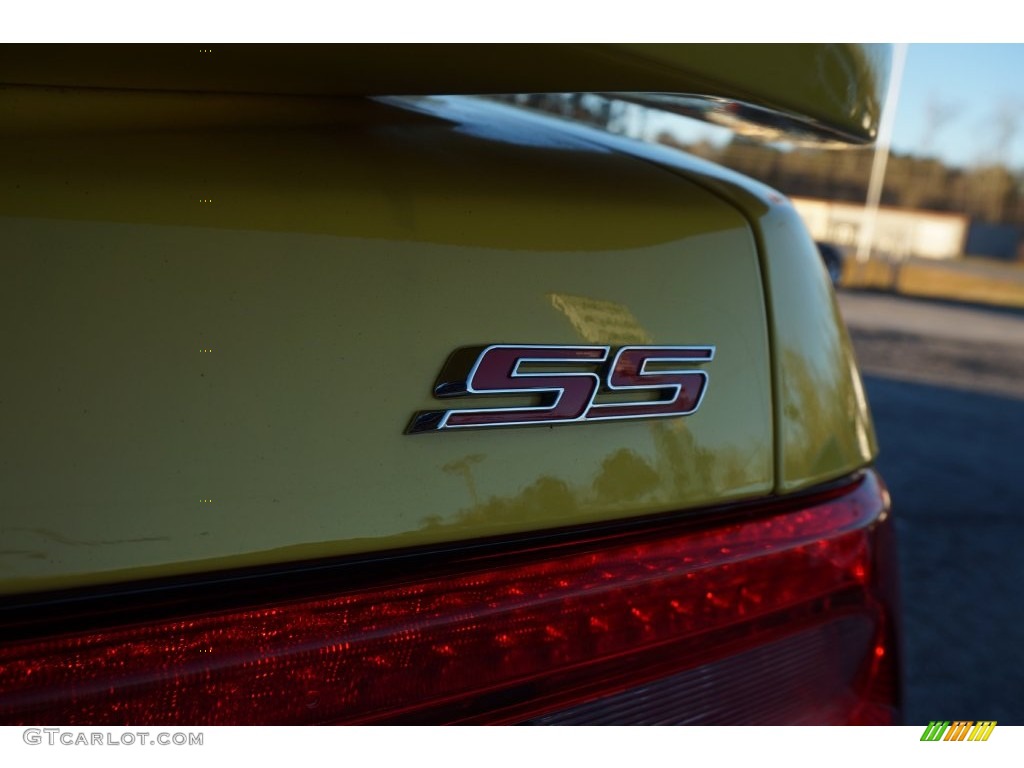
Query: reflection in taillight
{"x": 506, "y": 639}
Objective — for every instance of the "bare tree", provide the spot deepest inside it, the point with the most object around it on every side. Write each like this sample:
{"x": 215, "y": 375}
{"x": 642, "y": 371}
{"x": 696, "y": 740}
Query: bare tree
{"x": 1005, "y": 124}
{"x": 937, "y": 115}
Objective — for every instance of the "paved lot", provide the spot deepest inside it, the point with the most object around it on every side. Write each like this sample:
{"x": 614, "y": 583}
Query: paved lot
{"x": 946, "y": 385}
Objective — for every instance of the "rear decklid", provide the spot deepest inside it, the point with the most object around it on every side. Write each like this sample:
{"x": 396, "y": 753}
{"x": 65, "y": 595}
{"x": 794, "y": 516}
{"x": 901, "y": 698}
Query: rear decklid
{"x": 222, "y": 311}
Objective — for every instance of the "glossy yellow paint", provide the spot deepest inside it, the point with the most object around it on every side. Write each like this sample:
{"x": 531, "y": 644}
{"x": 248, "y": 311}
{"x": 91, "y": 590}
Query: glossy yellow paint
{"x": 839, "y": 86}
{"x": 823, "y": 426}
{"x": 219, "y": 313}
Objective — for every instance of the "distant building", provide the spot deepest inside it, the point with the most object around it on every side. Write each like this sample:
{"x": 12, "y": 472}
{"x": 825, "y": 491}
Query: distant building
{"x": 997, "y": 241}
{"x": 899, "y": 232}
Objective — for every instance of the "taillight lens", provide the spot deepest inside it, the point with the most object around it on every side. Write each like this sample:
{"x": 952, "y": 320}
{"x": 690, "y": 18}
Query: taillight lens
{"x": 513, "y": 637}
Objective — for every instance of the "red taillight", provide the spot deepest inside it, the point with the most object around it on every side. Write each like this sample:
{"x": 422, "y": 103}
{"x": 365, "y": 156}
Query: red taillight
{"x": 504, "y": 638}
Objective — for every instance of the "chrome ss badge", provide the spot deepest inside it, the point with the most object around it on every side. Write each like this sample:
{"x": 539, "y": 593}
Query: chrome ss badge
{"x": 573, "y": 384}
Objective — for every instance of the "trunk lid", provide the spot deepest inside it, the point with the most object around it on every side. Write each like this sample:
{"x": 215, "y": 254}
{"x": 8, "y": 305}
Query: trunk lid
{"x": 220, "y": 313}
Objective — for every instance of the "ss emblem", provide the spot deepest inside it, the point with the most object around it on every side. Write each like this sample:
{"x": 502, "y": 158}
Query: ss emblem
{"x": 573, "y": 384}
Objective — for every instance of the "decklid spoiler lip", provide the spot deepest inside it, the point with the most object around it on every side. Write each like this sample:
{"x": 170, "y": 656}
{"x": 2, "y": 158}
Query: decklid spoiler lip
{"x": 827, "y": 91}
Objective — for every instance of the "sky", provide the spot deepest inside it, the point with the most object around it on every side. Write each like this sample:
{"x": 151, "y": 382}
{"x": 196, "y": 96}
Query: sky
{"x": 963, "y": 103}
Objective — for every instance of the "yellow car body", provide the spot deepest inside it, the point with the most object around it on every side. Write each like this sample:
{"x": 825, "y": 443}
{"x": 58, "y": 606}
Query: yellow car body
{"x": 229, "y": 285}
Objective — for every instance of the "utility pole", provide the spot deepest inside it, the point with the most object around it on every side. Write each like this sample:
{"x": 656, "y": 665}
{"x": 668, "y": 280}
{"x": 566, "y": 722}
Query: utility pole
{"x": 881, "y": 159}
